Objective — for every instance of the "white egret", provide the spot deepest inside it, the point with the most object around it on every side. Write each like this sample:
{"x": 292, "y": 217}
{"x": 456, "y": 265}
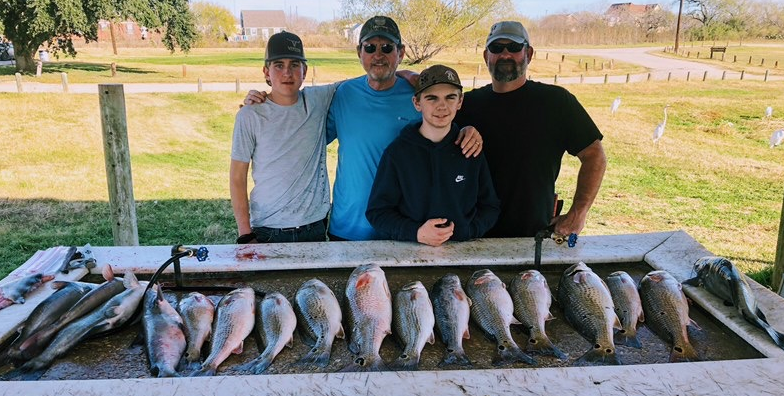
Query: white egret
{"x": 615, "y": 105}
{"x": 659, "y": 131}
{"x": 776, "y": 138}
{"x": 768, "y": 112}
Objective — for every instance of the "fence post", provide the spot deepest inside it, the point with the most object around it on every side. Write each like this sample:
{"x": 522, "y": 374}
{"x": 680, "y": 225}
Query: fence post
{"x": 778, "y": 265}
{"x": 688, "y": 74}
{"x": 555, "y": 79}
{"x": 237, "y": 85}
{"x": 627, "y": 78}
{"x": 64, "y": 78}
{"x": 478, "y": 69}
{"x": 742, "y": 72}
{"x": 114, "y": 69}
{"x": 734, "y": 58}
{"x": 313, "y": 76}
{"x": 563, "y": 58}
{"x": 38, "y": 68}
{"x": 18, "y": 82}
{"x": 705, "y": 75}
{"x": 749, "y": 59}
{"x": 199, "y": 85}
{"x": 766, "y": 76}
{"x": 184, "y": 70}
{"x": 649, "y": 77}
{"x": 559, "y": 68}
{"x": 605, "y": 78}
{"x": 581, "y": 78}
{"x": 111, "y": 99}
{"x": 723, "y": 75}
{"x": 669, "y": 76}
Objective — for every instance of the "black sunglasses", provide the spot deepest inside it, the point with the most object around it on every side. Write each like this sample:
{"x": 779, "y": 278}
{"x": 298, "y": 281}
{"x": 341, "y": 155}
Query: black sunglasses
{"x": 385, "y": 48}
{"x": 512, "y": 47}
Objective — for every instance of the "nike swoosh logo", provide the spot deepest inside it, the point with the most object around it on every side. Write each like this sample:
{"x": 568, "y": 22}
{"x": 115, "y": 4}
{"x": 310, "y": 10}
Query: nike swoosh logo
{"x": 459, "y": 178}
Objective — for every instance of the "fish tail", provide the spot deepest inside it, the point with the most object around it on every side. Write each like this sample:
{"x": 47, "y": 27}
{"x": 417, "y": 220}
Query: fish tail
{"x": 777, "y": 337}
{"x": 539, "y": 342}
{"x": 455, "y": 356}
{"x": 623, "y": 337}
{"x": 509, "y": 353}
{"x": 259, "y": 364}
{"x": 161, "y": 371}
{"x": 318, "y": 357}
{"x": 365, "y": 363}
{"x": 406, "y": 362}
{"x": 683, "y": 353}
{"x": 204, "y": 371}
{"x": 597, "y": 356}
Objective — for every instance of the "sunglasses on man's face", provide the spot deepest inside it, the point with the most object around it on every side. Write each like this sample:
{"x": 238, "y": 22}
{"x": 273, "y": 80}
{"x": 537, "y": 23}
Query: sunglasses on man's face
{"x": 512, "y": 47}
{"x": 385, "y": 48}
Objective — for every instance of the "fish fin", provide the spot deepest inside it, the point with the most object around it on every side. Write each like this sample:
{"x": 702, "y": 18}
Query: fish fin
{"x": 623, "y": 338}
{"x": 290, "y": 343}
{"x": 204, "y": 371}
{"x": 683, "y": 353}
{"x": 107, "y": 272}
{"x": 238, "y": 349}
{"x": 455, "y": 357}
{"x": 642, "y": 317}
{"x": 432, "y": 339}
{"x": 57, "y": 285}
{"x": 318, "y": 357}
{"x": 599, "y": 356}
{"x": 693, "y": 282}
{"x": 470, "y": 302}
{"x": 466, "y": 334}
{"x": 549, "y": 316}
{"x": 694, "y": 324}
{"x": 341, "y": 333}
{"x": 617, "y": 323}
{"x": 515, "y": 321}
{"x": 761, "y": 315}
{"x": 129, "y": 280}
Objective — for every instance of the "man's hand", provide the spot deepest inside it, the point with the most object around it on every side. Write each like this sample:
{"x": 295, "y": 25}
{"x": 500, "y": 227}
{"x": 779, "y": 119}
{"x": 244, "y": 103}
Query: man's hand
{"x": 570, "y": 223}
{"x": 434, "y": 232}
{"x": 470, "y": 141}
{"x": 247, "y": 238}
{"x": 255, "y": 97}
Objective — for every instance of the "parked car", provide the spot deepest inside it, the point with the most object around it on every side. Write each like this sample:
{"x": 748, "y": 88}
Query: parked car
{"x": 6, "y": 51}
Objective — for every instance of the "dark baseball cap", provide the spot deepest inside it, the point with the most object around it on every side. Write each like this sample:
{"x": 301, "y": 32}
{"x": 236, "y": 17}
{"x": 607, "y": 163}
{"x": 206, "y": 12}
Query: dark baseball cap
{"x": 437, "y": 74}
{"x": 284, "y": 45}
{"x": 510, "y": 30}
{"x": 380, "y": 26}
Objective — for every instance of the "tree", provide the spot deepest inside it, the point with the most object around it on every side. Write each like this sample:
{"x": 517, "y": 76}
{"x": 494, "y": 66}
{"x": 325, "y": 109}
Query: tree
{"x": 428, "y": 26}
{"x": 214, "y": 23}
{"x": 30, "y": 24}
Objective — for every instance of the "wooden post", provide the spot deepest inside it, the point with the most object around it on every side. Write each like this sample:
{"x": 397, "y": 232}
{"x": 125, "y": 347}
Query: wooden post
{"x": 563, "y": 58}
{"x": 649, "y": 77}
{"x": 64, "y": 78}
{"x": 705, "y": 75}
{"x": 688, "y": 74}
{"x": 18, "y": 82}
{"x": 605, "y": 78}
{"x": 722, "y": 56}
{"x": 313, "y": 76}
{"x": 478, "y": 69}
{"x": 586, "y": 67}
{"x": 778, "y": 264}
{"x": 237, "y": 85}
{"x": 122, "y": 205}
{"x": 669, "y": 76}
{"x": 199, "y": 88}
{"x": 38, "y": 68}
{"x": 546, "y": 56}
{"x": 114, "y": 69}
{"x": 627, "y": 78}
{"x": 559, "y": 68}
{"x": 474, "y": 83}
{"x": 581, "y": 78}
{"x": 555, "y": 79}
{"x": 723, "y": 75}
{"x": 762, "y": 62}
{"x": 742, "y": 72}
{"x": 734, "y": 58}
{"x": 766, "y": 76}
{"x": 184, "y": 70}
{"x": 749, "y": 59}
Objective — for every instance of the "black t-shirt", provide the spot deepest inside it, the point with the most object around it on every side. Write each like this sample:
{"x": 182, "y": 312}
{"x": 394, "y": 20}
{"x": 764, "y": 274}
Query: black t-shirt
{"x": 525, "y": 134}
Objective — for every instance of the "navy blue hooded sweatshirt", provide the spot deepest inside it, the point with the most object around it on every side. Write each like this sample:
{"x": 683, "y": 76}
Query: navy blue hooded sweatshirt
{"x": 418, "y": 180}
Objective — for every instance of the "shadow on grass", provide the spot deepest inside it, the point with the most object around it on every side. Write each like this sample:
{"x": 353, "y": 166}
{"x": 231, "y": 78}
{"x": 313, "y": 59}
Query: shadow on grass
{"x": 29, "y": 225}
{"x": 67, "y": 67}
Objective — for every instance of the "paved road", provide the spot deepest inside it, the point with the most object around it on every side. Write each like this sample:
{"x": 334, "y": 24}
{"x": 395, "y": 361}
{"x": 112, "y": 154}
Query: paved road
{"x": 661, "y": 68}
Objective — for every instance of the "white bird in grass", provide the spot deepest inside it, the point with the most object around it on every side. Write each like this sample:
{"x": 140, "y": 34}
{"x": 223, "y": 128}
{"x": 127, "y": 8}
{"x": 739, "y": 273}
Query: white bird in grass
{"x": 776, "y": 138}
{"x": 615, "y": 105}
{"x": 768, "y": 112}
{"x": 659, "y": 131}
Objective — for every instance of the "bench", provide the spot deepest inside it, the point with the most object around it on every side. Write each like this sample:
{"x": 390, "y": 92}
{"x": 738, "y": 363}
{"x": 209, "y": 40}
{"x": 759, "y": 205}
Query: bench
{"x": 717, "y": 49}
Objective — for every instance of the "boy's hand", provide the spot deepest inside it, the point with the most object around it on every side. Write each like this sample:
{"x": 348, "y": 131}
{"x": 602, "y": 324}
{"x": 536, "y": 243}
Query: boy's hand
{"x": 434, "y": 232}
{"x": 470, "y": 141}
{"x": 255, "y": 97}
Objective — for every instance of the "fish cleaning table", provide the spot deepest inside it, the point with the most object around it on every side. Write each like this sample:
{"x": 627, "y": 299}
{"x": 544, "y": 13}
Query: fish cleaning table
{"x": 674, "y": 252}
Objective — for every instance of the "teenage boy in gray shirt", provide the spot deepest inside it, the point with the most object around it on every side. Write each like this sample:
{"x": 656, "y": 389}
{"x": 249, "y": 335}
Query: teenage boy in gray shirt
{"x": 284, "y": 139}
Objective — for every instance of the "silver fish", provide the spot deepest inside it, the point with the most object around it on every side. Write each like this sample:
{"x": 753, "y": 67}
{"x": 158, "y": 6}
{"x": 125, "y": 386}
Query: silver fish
{"x": 532, "y": 300}
{"x": 667, "y": 313}
{"x": 197, "y": 312}
{"x": 234, "y": 322}
{"x": 452, "y": 310}
{"x": 320, "y": 320}
{"x": 589, "y": 308}
{"x": 277, "y": 322}
{"x": 163, "y": 333}
{"x": 113, "y": 286}
{"x": 413, "y": 321}
{"x": 720, "y": 277}
{"x": 493, "y": 311}
{"x": 14, "y": 292}
{"x": 369, "y": 315}
{"x": 46, "y": 313}
{"x": 628, "y": 307}
{"x": 110, "y": 315}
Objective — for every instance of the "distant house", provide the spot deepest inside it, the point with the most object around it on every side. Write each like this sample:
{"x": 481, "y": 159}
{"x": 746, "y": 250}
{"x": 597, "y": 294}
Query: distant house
{"x": 563, "y": 22}
{"x": 628, "y": 12}
{"x": 125, "y": 31}
{"x": 351, "y": 32}
{"x": 261, "y": 24}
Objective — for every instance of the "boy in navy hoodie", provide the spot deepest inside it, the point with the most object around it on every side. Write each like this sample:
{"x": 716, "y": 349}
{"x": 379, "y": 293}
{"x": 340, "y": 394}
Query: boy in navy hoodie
{"x": 425, "y": 190}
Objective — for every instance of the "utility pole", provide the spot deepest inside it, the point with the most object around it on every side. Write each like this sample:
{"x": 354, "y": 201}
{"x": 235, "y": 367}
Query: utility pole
{"x": 678, "y": 26}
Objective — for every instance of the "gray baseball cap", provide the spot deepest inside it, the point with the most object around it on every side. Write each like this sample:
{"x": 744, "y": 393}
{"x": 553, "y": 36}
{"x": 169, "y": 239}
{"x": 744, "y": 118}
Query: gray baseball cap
{"x": 510, "y": 30}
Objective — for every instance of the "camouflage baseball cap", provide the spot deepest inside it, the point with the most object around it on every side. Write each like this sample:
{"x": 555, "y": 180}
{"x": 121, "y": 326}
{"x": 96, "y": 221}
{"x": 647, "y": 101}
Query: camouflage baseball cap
{"x": 380, "y": 26}
{"x": 437, "y": 74}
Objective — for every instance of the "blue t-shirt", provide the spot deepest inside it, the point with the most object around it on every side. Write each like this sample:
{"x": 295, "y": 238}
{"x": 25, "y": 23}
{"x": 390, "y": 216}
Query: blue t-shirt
{"x": 364, "y": 121}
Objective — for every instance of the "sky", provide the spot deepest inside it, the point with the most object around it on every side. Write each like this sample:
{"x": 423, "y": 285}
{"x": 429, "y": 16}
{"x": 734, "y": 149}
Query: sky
{"x": 323, "y": 10}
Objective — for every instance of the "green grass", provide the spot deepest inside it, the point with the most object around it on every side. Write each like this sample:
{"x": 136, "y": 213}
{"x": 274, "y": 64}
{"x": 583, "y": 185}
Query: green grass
{"x": 712, "y": 176}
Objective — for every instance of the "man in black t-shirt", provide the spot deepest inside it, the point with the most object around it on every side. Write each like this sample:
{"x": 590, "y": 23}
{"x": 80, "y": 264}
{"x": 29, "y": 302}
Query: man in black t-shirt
{"x": 527, "y": 126}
